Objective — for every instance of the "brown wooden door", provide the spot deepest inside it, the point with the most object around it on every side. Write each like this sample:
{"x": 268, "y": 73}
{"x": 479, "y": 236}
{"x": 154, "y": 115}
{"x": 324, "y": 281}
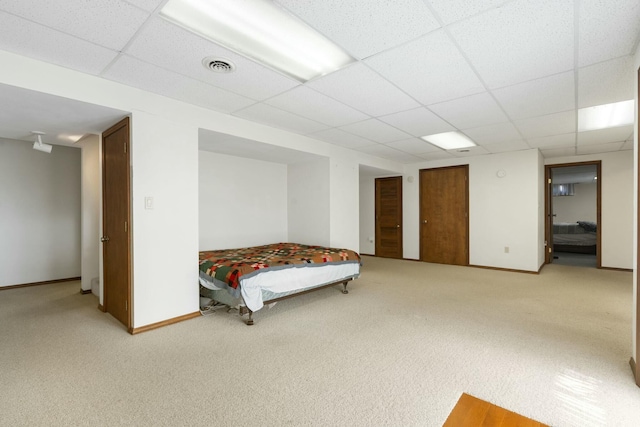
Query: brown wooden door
{"x": 389, "y": 217}
{"x": 116, "y": 222}
{"x": 444, "y": 221}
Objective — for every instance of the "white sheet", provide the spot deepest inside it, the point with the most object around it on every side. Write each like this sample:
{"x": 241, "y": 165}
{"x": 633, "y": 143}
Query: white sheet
{"x": 289, "y": 279}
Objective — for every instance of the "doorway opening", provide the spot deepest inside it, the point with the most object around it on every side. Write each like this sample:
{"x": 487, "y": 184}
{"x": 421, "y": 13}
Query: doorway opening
{"x": 573, "y": 195}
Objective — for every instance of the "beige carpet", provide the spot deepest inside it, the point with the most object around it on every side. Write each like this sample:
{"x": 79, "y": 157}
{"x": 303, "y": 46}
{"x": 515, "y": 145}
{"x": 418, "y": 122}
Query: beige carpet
{"x": 398, "y": 350}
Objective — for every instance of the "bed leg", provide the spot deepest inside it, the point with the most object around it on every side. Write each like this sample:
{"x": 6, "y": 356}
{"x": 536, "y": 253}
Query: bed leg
{"x": 250, "y": 319}
{"x": 345, "y": 291}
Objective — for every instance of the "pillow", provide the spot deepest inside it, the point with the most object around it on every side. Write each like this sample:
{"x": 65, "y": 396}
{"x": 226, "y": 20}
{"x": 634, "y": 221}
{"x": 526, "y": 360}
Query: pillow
{"x": 588, "y": 226}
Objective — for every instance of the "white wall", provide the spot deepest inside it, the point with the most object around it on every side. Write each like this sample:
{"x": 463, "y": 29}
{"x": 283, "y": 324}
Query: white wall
{"x": 308, "y": 202}
{"x": 367, "y": 215}
{"x": 165, "y": 165}
{"x": 242, "y": 202}
{"x": 164, "y": 157}
{"x": 39, "y": 213}
{"x": 579, "y": 207}
{"x": 542, "y": 214}
{"x": 344, "y": 203}
{"x": 503, "y": 212}
{"x": 91, "y": 198}
{"x": 636, "y": 146}
{"x": 616, "y": 207}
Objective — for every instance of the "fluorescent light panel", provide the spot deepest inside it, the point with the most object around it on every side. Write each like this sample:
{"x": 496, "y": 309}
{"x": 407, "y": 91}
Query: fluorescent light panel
{"x": 261, "y": 31}
{"x": 605, "y": 116}
{"x": 449, "y": 140}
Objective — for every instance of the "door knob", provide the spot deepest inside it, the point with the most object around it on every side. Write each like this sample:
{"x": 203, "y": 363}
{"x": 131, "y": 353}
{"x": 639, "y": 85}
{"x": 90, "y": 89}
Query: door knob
{"x": 104, "y": 239}
{"x": 424, "y": 221}
{"x": 398, "y": 226}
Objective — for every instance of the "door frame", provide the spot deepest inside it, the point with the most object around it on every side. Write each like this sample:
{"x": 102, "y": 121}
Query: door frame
{"x": 105, "y": 288}
{"x": 636, "y": 372}
{"x": 466, "y": 196}
{"x": 548, "y": 205}
{"x": 401, "y": 241}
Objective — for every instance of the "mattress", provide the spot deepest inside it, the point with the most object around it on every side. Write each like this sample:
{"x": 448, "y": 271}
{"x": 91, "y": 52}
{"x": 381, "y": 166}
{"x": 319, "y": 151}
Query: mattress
{"x": 260, "y": 273}
{"x": 267, "y": 285}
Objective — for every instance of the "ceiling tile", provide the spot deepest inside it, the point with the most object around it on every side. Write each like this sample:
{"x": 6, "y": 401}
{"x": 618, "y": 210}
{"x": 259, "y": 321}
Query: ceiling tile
{"x": 503, "y": 147}
{"x": 600, "y": 148}
{"x": 148, "y": 5}
{"x": 375, "y": 130}
{"x": 603, "y": 136}
{"x": 389, "y": 153}
{"x": 431, "y": 68}
{"x": 272, "y": 116}
{"x": 136, "y": 73}
{"x": 365, "y": 29}
{"x": 171, "y": 47}
{"x": 547, "y": 95}
{"x": 455, "y": 10}
{"x": 607, "y": 82}
{"x": 313, "y": 105}
{"x": 361, "y": 88}
{"x": 436, "y": 155}
{"x": 108, "y": 23}
{"x": 523, "y": 40}
{"x": 558, "y": 152}
{"x": 607, "y": 29}
{"x": 469, "y": 152}
{"x": 413, "y": 146}
{"x": 551, "y": 124}
{"x": 341, "y": 138}
{"x": 471, "y": 111}
{"x": 417, "y": 122}
{"x": 554, "y": 141}
{"x": 45, "y": 44}
{"x": 493, "y": 134}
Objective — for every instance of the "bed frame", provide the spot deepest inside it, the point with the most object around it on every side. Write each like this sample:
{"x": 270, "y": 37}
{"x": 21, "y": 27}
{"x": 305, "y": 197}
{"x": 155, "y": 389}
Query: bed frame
{"x": 591, "y": 250}
{"x": 244, "y": 310}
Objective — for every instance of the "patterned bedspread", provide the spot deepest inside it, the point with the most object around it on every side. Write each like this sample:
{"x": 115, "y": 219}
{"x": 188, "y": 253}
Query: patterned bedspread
{"x": 229, "y": 265}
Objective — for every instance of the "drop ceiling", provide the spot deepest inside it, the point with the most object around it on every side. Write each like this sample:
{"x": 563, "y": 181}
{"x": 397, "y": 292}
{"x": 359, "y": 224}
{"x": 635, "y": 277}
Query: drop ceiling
{"x": 509, "y": 74}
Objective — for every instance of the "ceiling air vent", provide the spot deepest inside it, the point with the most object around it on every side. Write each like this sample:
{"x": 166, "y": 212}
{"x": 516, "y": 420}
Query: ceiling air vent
{"x": 218, "y": 65}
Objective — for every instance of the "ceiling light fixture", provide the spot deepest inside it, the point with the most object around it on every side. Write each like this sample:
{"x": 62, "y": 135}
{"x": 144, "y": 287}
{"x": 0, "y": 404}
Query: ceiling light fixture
{"x": 449, "y": 140}
{"x": 39, "y": 145}
{"x": 605, "y": 116}
{"x": 262, "y": 31}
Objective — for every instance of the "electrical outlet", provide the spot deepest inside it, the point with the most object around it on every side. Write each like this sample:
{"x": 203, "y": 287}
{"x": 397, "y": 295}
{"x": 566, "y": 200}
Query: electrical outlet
{"x": 148, "y": 202}
{"x": 506, "y": 249}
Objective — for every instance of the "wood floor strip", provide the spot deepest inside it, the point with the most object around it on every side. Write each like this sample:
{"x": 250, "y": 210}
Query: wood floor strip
{"x": 473, "y": 412}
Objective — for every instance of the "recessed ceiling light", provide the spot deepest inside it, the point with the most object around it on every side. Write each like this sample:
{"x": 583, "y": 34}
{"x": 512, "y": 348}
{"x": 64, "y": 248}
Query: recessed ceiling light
{"x": 260, "y": 30}
{"x": 449, "y": 140}
{"x": 605, "y": 116}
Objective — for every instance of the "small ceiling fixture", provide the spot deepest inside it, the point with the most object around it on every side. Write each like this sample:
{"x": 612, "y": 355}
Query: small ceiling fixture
{"x": 39, "y": 145}
{"x": 218, "y": 65}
